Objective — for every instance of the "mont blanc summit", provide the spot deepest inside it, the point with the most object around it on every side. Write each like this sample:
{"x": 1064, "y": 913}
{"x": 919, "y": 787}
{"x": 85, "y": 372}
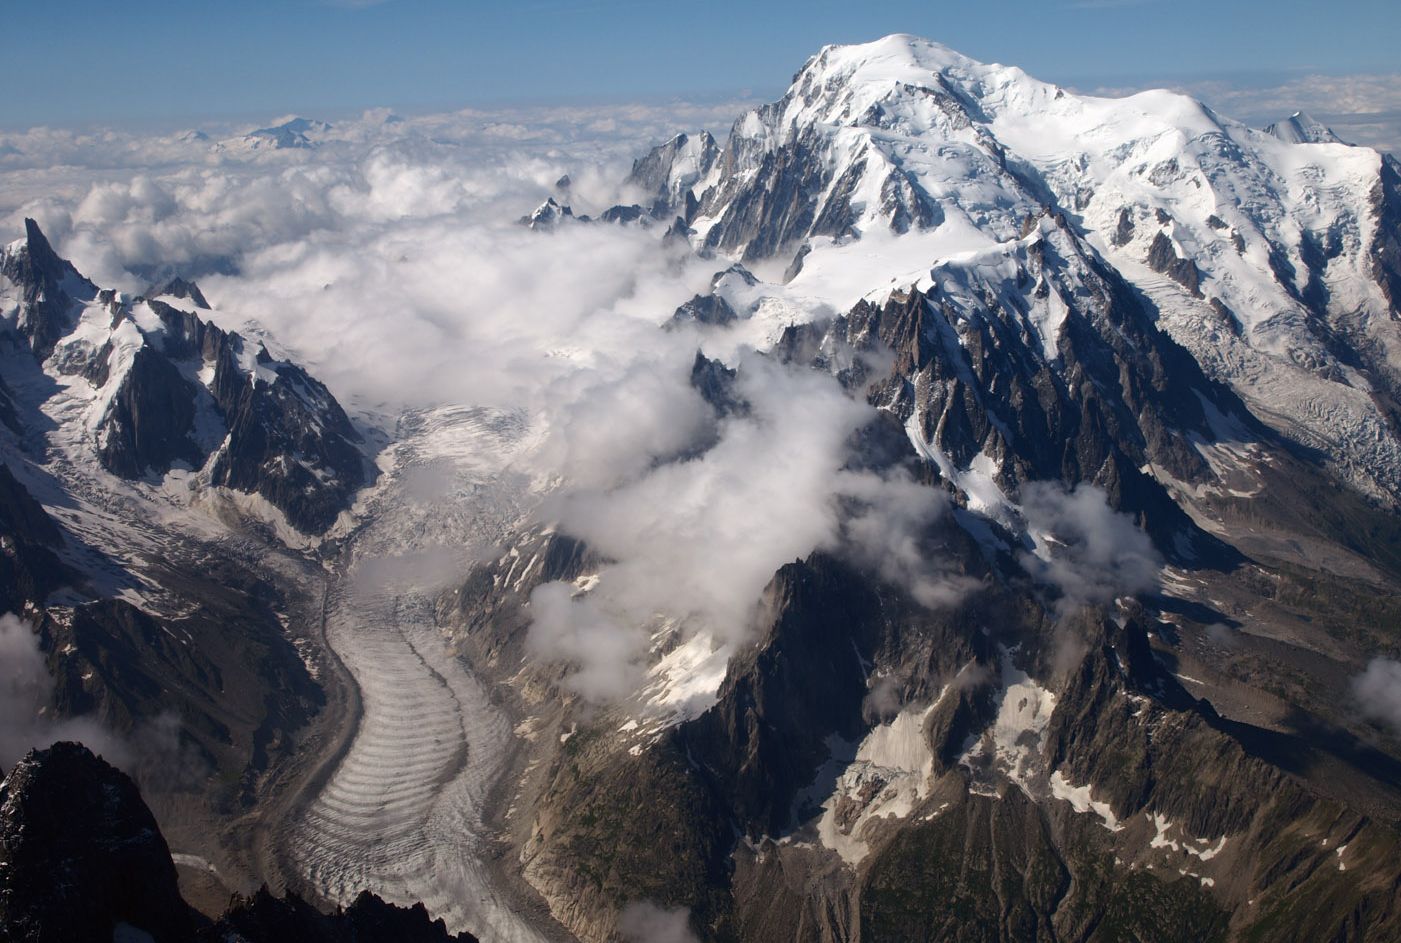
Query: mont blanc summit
{"x": 1261, "y": 251}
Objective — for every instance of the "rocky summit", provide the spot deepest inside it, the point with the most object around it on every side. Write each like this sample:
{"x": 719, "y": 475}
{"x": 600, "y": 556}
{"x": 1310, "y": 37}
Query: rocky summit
{"x": 167, "y": 389}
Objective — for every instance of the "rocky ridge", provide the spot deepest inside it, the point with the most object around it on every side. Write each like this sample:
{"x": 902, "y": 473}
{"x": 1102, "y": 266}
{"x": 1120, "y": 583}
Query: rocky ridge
{"x": 1277, "y": 245}
{"x": 169, "y": 389}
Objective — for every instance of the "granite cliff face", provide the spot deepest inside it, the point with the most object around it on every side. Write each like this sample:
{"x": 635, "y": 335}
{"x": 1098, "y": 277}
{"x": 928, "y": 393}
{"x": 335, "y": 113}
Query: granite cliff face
{"x": 80, "y": 853}
{"x": 47, "y": 287}
{"x": 289, "y": 441}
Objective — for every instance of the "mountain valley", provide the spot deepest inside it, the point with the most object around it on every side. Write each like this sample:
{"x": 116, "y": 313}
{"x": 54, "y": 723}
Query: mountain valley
{"x": 957, "y": 508}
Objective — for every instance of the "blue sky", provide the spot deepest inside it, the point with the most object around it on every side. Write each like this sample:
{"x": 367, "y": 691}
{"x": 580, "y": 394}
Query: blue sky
{"x": 95, "y": 61}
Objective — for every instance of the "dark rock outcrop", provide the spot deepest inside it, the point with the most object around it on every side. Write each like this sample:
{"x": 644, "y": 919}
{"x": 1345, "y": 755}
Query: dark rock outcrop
{"x": 716, "y": 384}
{"x": 289, "y": 441}
{"x": 23, "y": 518}
{"x": 795, "y": 267}
{"x": 80, "y": 854}
{"x": 8, "y": 413}
{"x": 622, "y": 214}
{"x": 265, "y": 918}
{"x": 1163, "y": 258}
{"x": 710, "y": 309}
{"x": 1386, "y": 253}
{"x": 988, "y": 870}
{"x": 81, "y": 857}
{"x": 180, "y": 288}
{"x": 29, "y": 567}
{"x": 1123, "y": 231}
{"x": 150, "y": 419}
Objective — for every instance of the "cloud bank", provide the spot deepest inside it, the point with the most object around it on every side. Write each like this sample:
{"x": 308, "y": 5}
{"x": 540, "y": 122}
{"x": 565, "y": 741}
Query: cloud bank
{"x": 388, "y": 261}
{"x": 386, "y": 258}
{"x": 1377, "y": 692}
{"x": 645, "y": 922}
{"x": 697, "y": 540}
{"x": 1086, "y": 551}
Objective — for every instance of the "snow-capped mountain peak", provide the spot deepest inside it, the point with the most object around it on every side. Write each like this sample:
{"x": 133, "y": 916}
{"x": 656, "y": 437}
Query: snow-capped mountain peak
{"x": 840, "y": 84}
{"x": 152, "y": 386}
{"x": 1259, "y": 249}
{"x": 288, "y": 132}
{"x": 1300, "y": 128}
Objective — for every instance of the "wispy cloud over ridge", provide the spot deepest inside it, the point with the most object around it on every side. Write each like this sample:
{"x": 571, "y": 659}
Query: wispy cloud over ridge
{"x": 1377, "y": 692}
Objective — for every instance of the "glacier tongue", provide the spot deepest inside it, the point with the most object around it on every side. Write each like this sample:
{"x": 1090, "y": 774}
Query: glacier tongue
{"x": 404, "y": 811}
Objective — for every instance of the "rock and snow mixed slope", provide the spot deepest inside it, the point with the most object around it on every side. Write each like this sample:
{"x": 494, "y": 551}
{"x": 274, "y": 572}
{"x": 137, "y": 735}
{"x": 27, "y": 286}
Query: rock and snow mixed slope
{"x": 145, "y": 386}
{"x": 1270, "y": 255}
{"x": 163, "y": 477}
